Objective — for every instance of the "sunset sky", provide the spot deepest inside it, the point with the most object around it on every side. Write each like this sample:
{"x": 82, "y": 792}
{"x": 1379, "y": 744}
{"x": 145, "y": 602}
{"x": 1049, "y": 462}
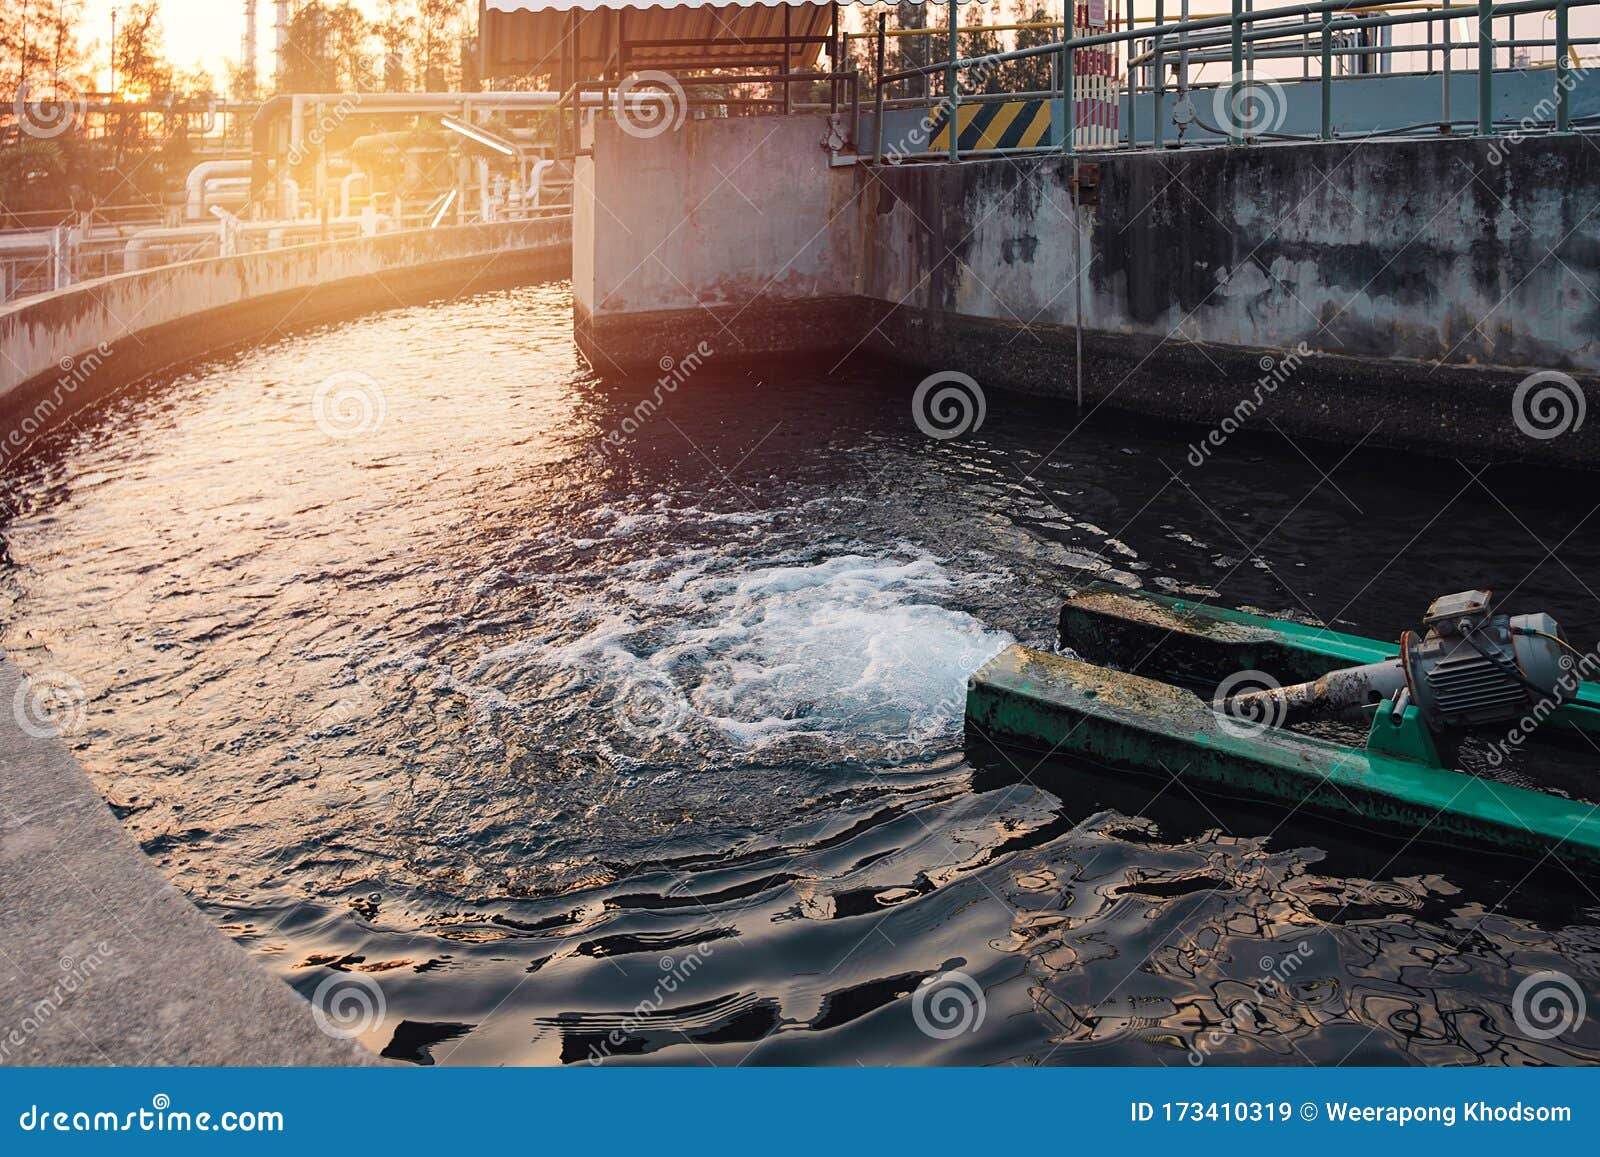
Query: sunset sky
{"x": 210, "y": 33}
{"x": 207, "y": 33}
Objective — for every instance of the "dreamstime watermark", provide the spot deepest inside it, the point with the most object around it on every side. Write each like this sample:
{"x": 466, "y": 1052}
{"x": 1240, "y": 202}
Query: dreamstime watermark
{"x": 75, "y": 975}
{"x": 74, "y": 373}
{"x": 1548, "y": 1004}
{"x": 1249, "y": 104}
{"x": 348, "y": 405}
{"x": 949, "y": 1005}
{"x": 649, "y": 707}
{"x": 949, "y": 404}
{"x": 917, "y": 138}
{"x": 675, "y": 372}
{"x": 160, "y": 1117}
{"x": 328, "y": 122}
{"x": 650, "y": 103}
{"x": 1243, "y": 707}
{"x": 46, "y": 109}
{"x": 675, "y": 973}
{"x": 1274, "y": 373}
{"x": 1276, "y": 972}
{"x": 1542, "y": 115}
{"x": 1575, "y": 668}
{"x": 1548, "y": 404}
{"x": 49, "y": 705}
{"x": 346, "y": 1005}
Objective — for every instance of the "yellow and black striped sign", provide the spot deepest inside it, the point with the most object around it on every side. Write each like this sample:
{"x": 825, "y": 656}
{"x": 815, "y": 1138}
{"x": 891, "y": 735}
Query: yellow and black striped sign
{"x": 1012, "y": 124}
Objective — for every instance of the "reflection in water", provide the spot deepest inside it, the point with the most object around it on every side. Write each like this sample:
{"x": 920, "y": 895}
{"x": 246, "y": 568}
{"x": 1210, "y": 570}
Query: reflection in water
{"x": 653, "y": 753}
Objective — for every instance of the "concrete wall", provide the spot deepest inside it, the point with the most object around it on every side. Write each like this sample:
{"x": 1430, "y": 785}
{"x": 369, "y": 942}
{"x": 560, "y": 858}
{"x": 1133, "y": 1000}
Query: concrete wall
{"x": 153, "y": 317}
{"x": 728, "y": 219}
{"x": 105, "y": 962}
{"x": 1418, "y": 250}
{"x": 1418, "y": 274}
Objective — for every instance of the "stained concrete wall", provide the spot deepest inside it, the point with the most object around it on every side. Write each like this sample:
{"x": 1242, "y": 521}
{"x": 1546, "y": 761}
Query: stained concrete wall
{"x": 1426, "y": 279}
{"x": 1426, "y": 251}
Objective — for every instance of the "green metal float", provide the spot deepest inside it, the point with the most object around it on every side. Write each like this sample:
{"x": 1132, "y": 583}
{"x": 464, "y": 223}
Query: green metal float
{"x": 1472, "y": 665}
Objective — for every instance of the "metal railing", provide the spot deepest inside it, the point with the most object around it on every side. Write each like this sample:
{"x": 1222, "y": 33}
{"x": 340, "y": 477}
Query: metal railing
{"x": 1333, "y": 34}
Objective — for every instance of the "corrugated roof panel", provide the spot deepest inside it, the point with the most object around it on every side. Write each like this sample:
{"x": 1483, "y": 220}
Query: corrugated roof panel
{"x": 530, "y": 36}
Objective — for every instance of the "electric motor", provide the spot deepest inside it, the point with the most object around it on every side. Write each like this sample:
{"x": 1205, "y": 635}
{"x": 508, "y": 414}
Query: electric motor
{"x": 1470, "y": 666}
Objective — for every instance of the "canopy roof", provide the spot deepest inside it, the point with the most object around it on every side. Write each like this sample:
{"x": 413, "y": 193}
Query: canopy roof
{"x": 517, "y": 37}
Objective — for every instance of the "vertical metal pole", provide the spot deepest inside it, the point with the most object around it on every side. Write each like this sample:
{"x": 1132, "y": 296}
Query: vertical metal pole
{"x": 877, "y": 111}
{"x": 1161, "y": 78}
{"x": 1069, "y": 102}
{"x": 1448, "y": 52}
{"x": 1069, "y": 143}
{"x": 788, "y": 64}
{"x": 1250, "y": 49}
{"x": 1236, "y": 130}
{"x": 1183, "y": 52}
{"x": 833, "y": 61}
{"x": 577, "y": 67}
{"x": 952, "y": 82}
{"x": 1133, "y": 82}
{"x": 1563, "y": 64}
{"x": 1077, "y": 279}
{"x": 1327, "y": 76}
{"x": 1485, "y": 67}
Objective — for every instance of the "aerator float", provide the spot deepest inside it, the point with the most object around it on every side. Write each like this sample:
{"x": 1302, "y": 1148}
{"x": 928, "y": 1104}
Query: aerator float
{"x": 1511, "y": 680}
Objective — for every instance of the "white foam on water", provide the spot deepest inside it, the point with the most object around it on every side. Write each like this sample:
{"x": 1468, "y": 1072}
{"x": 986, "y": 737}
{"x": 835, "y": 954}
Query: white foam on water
{"x": 861, "y": 652}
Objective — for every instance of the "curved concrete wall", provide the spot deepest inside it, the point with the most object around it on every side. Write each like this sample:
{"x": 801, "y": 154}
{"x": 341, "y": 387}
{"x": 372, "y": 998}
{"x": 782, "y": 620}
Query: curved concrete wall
{"x": 57, "y": 347}
{"x": 104, "y": 962}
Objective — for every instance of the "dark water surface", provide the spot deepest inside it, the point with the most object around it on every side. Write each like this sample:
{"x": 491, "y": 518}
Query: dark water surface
{"x": 550, "y": 751}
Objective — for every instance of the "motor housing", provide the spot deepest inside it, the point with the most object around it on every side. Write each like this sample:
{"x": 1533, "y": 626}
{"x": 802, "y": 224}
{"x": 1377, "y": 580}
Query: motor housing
{"x": 1474, "y": 666}
{"x": 1469, "y": 666}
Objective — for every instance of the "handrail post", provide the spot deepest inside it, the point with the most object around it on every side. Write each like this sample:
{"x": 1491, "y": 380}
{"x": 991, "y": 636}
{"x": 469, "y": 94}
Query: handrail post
{"x": 1563, "y": 65}
{"x": 1161, "y": 80}
{"x": 835, "y": 61}
{"x": 788, "y": 67}
{"x": 1485, "y": 67}
{"x": 952, "y": 81}
{"x": 1448, "y": 52}
{"x": 877, "y": 112}
{"x": 1327, "y": 76}
{"x": 1133, "y": 82}
{"x": 1069, "y": 103}
{"x": 855, "y": 110}
{"x": 1236, "y": 130}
